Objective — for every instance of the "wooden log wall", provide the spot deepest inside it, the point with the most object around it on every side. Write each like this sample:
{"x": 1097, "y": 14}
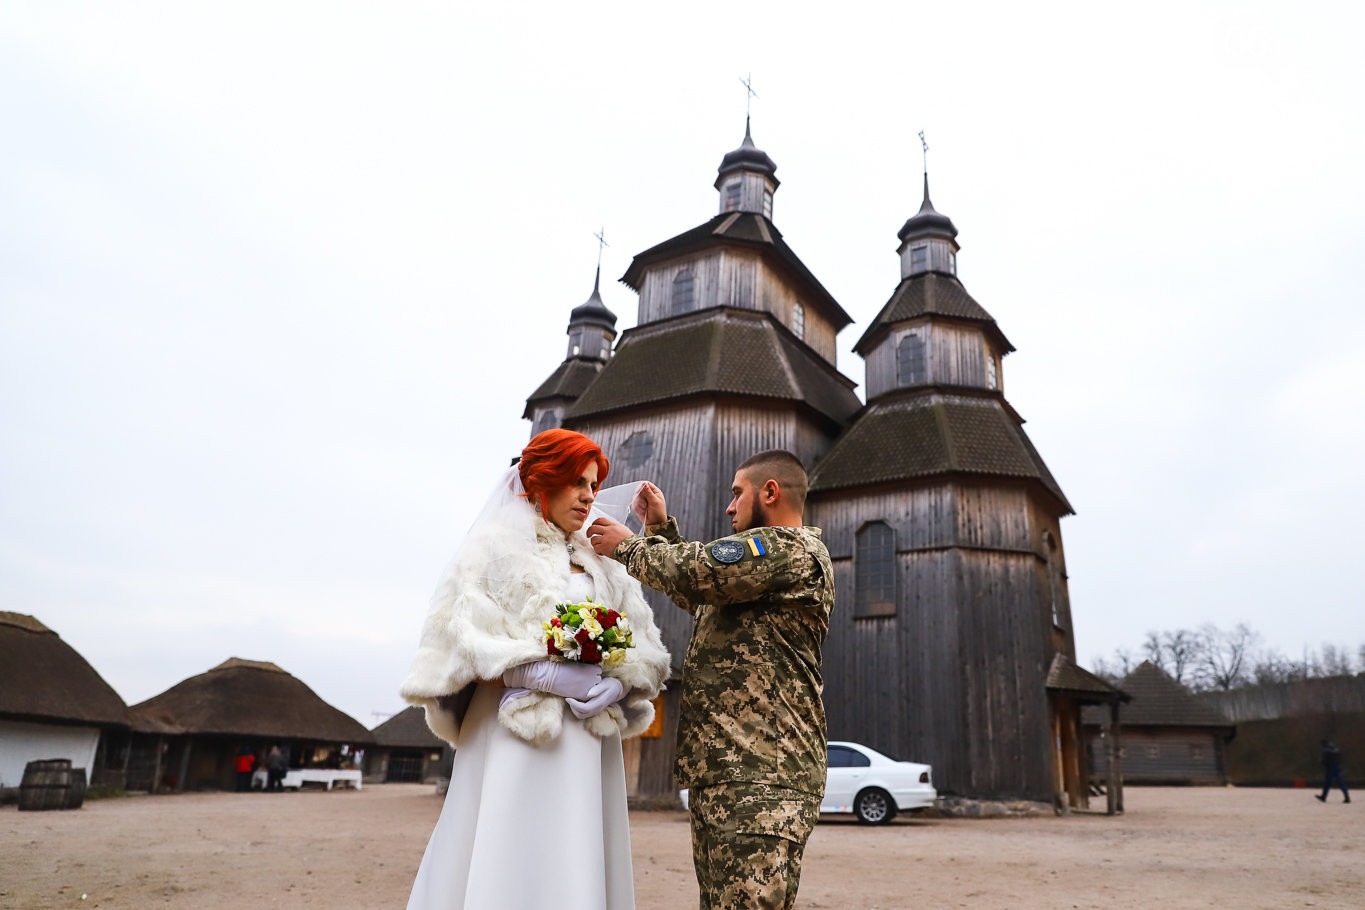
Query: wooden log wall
{"x": 1329, "y": 695}
{"x": 1166, "y": 756}
{"x": 955, "y": 354}
{"x": 728, "y": 276}
{"x": 958, "y": 677}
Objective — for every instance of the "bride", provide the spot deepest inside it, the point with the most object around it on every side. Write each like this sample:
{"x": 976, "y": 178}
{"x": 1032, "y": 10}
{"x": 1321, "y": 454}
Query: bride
{"x": 536, "y": 811}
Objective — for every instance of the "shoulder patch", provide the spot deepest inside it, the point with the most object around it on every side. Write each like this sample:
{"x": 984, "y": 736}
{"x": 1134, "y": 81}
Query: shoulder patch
{"x": 756, "y": 547}
{"x": 727, "y": 551}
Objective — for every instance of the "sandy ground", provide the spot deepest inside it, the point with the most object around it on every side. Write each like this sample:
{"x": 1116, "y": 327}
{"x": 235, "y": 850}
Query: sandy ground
{"x": 1175, "y": 848}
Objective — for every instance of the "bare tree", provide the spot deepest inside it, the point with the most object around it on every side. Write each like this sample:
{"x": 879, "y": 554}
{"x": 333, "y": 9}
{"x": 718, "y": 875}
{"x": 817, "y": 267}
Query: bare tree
{"x": 1114, "y": 669}
{"x": 1336, "y": 661}
{"x": 1175, "y": 652}
{"x": 1223, "y": 660}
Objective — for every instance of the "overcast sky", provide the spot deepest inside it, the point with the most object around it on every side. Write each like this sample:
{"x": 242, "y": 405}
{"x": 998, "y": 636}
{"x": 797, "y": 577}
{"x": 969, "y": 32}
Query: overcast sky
{"x": 276, "y": 280}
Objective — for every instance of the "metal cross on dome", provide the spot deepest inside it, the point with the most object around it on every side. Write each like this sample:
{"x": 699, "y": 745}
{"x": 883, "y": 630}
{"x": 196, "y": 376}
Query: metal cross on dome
{"x": 925, "y": 143}
{"x": 748, "y": 83}
{"x": 601, "y": 242}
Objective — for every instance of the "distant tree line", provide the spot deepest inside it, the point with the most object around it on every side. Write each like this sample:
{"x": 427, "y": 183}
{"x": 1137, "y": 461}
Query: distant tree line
{"x": 1210, "y": 659}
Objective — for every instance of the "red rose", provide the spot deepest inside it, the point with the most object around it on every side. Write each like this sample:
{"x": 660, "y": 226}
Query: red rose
{"x": 551, "y": 649}
{"x": 609, "y": 618}
{"x": 591, "y": 654}
{"x": 582, "y": 638}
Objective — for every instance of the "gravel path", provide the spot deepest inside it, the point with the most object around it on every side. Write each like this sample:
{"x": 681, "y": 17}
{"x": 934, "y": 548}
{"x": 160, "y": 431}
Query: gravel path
{"x": 1176, "y": 848}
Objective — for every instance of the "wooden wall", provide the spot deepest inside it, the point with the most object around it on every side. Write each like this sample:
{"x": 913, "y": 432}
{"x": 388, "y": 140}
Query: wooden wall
{"x": 956, "y": 355}
{"x": 729, "y": 276}
{"x": 957, "y": 678}
{"x": 1169, "y": 755}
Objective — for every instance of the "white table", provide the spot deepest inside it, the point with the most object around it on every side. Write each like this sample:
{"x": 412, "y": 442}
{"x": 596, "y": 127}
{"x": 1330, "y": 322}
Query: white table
{"x": 295, "y": 778}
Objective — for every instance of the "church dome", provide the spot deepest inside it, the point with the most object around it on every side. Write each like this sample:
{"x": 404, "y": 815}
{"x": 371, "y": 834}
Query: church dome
{"x": 593, "y": 311}
{"x": 748, "y": 157}
{"x": 927, "y": 222}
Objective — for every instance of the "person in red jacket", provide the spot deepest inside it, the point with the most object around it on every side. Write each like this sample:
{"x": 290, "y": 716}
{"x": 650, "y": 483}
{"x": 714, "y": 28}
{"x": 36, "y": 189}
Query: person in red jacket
{"x": 245, "y": 763}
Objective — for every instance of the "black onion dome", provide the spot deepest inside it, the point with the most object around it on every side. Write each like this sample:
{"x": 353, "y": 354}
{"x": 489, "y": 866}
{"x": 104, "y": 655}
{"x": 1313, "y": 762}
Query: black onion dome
{"x": 748, "y": 157}
{"x": 593, "y": 311}
{"x": 928, "y": 222}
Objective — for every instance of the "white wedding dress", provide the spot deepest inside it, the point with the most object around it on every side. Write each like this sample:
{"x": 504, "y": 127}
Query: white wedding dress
{"x": 527, "y": 827}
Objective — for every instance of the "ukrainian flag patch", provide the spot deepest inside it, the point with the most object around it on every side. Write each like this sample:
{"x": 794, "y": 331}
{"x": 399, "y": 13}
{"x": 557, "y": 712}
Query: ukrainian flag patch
{"x": 756, "y": 547}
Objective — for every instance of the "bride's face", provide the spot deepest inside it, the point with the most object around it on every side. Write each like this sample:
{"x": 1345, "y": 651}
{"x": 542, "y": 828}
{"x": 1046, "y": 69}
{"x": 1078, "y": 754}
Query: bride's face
{"x": 568, "y": 507}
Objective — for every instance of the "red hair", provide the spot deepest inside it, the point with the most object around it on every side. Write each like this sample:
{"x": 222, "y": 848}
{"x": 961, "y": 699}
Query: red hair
{"x": 556, "y": 459}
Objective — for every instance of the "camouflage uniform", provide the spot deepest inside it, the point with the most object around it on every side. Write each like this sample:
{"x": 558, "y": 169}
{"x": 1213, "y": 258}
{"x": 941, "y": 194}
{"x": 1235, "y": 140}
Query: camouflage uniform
{"x": 751, "y": 736}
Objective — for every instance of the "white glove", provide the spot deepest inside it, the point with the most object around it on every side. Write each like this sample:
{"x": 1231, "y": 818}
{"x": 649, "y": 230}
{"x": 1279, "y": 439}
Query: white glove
{"x": 564, "y": 678}
{"x": 602, "y": 696}
{"x": 509, "y": 694}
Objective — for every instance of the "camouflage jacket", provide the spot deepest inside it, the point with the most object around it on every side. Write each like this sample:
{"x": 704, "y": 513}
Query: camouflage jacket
{"x": 751, "y": 708}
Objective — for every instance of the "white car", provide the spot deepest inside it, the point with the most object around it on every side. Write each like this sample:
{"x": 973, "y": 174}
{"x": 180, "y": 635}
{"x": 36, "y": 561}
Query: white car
{"x": 870, "y": 785}
{"x": 873, "y": 787}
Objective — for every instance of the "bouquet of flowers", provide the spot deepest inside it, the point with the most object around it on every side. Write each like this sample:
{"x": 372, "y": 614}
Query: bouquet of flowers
{"x": 588, "y": 633}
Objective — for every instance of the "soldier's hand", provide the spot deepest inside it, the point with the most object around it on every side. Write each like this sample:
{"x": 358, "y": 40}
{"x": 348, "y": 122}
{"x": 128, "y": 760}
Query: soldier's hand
{"x": 606, "y": 535}
{"x": 649, "y": 504}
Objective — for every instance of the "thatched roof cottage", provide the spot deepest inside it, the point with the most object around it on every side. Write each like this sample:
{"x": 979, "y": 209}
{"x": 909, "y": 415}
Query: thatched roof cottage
{"x": 406, "y": 751}
{"x": 53, "y": 704}
{"x": 186, "y": 737}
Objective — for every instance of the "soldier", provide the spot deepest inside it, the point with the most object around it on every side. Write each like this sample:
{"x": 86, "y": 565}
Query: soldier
{"x": 751, "y": 736}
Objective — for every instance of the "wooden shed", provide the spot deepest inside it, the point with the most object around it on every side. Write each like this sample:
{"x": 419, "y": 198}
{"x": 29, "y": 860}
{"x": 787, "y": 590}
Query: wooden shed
{"x": 186, "y": 737}
{"x": 406, "y": 751}
{"x": 53, "y": 704}
{"x": 1169, "y": 736}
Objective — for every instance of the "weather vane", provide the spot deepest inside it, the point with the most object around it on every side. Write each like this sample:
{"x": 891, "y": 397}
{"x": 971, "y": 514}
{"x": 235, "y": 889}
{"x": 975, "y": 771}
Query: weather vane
{"x": 748, "y": 83}
{"x": 925, "y": 143}
{"x": 601, "y": 242}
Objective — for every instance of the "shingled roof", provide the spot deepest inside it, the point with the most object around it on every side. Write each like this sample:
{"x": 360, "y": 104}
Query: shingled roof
{"x": 717, "y": 351}
{"x": 922, "y": 435}
{"x": 1160, "y": 701}
{"x": 1064, "y": 675}
{"x": 568, "y": 381}
{"x": 407, "y": 730}
{"x": 248, "y": 698}
{"x": 42, "y": 678}
{"x": 929, "y": 294}
{"x": 745, "y": 229}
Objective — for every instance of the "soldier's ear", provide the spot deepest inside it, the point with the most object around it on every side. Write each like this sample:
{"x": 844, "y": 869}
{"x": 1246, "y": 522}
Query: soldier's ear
{"x": 771, "y": 491}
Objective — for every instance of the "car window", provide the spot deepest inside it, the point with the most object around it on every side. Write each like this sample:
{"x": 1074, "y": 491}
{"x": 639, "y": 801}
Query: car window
{"x": 841, "y": 757}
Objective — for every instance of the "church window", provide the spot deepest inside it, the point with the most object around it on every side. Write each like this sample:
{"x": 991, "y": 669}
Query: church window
{"x": 606, "y": 349}
{"x": 952, "y": 262}
{"x": 732, "y": 195}
{"x": 575, "y": 342}
{"x": 919, "y": 258}
{"x": 768, "y": 204}
{"x": 684, "y": 291}
{"x": 874, "y": 571}
{"x": 799, "y": 320}
{"x": 910, "y": 360}
{"x": 992, "y": 379}
{"x": 638, "y": 448}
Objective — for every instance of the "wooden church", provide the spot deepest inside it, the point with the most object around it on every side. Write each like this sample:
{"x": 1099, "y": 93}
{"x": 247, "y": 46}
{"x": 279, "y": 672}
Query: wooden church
{"x": 951, "y": 641}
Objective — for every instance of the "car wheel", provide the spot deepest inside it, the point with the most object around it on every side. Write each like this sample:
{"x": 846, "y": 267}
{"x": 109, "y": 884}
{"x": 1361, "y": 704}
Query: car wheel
{"x": 874, "y": 807}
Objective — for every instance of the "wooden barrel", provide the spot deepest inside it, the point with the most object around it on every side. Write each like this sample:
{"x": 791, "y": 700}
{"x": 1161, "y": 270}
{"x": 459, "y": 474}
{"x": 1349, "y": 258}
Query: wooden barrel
{"x": 75, "y": 794}
{"x": 45, "y": 785}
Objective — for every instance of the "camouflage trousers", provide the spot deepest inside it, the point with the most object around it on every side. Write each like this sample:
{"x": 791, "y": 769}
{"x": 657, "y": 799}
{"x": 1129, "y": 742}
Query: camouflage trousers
{"x": 747, "y": 842}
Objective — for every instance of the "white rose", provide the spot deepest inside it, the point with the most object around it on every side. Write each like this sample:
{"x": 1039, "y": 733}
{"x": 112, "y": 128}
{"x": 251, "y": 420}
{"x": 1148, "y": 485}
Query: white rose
{"x": 614, "y": 657}
{"x": 623, "y": 624}
{"x": 593, "y": 627}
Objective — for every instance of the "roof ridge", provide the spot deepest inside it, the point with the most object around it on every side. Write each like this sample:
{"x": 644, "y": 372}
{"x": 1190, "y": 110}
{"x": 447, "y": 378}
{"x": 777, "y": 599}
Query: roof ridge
{"x": 24, "y": 621}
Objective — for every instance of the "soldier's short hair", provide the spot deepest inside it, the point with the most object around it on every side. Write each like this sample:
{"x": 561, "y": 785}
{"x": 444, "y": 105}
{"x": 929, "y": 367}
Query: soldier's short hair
{"x": 783, "y": 467}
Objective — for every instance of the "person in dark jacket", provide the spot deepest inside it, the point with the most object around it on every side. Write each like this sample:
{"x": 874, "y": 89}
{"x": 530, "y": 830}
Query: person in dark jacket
{"x": 1331, "y": 766}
